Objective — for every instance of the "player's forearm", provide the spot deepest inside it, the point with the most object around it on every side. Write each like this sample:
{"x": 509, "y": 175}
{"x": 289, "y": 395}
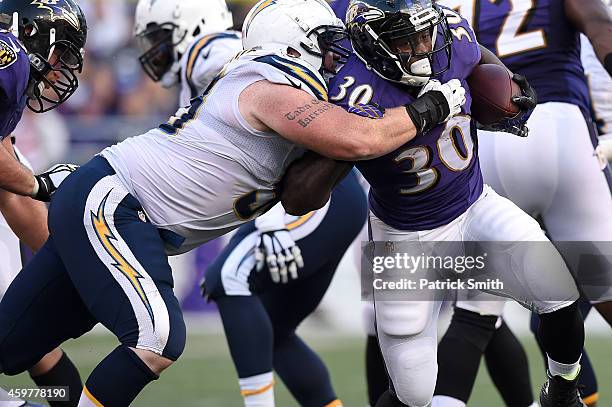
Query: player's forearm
{"x": 601, "y": 39}
{"x": 14, "y": 176}
{"x": 309, "y": 181}
{"x": 373, "y": 138}
{"x": 26, "y": 217}
{"x": 321, "y": 126}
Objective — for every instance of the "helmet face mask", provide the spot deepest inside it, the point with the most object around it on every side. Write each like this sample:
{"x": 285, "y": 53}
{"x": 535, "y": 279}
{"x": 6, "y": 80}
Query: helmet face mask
{"x": 157, "y": 46}
{"x": 164, "y": 30}
{"x": 53, "y": 80}
{"x": 406, "y": 42}
{"x": 53, "y": 35}
{"x": 329, "y": 49}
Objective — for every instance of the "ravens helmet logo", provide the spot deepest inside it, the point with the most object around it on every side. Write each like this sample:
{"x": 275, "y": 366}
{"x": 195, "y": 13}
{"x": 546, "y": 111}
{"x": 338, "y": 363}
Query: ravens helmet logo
{"x": 59, "y": 11}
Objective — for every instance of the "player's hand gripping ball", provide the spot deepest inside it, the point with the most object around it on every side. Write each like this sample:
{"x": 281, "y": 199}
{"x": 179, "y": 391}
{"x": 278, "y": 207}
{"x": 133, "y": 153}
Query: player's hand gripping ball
{"x": 501, "y": 102}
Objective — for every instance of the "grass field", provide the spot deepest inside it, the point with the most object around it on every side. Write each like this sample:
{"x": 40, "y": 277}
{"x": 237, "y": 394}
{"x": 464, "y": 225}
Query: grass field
{"x": 204, "y": 376}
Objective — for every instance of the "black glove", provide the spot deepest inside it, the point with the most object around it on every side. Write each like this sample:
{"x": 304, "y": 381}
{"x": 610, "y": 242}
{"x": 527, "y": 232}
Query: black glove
{"x": 529, "y": 99}
{"x": 526, "y": 102}
{"x": 49, "y": 181}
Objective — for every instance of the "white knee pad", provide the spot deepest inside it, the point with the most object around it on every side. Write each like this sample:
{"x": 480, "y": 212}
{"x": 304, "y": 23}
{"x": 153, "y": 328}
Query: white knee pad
{"x": 413, "y": 369}
{"x": 367, "y": 318}
{"x": 481, "y": 303}
{"x": 403, "y": 318}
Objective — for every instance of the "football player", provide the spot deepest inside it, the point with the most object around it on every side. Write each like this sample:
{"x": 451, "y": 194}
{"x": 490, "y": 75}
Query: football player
{"x": 40, "y": 56}
{"x": 171, "y": 54}
{"x": 436, "y": 192}
{"x": 212, "y": 167}
{"x": 600, "y": 83}
{"x": 541, "y": 41}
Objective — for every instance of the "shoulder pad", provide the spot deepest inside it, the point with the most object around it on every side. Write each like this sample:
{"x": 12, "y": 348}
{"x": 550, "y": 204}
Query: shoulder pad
{"x": 199, "y": 45}
{"x": 297, "y": 72}
{"x": 14, "y": 69}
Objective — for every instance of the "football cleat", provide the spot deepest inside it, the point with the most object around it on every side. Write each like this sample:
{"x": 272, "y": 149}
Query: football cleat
{"x": 559, "y": 392}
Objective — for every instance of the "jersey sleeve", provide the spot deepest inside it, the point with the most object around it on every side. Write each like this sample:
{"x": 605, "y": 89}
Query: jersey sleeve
{"x": 287, "y": 71}
{"x": 465, "y": 44}
{"x": 204, "y": 61}
{"x": 14, "y": 71}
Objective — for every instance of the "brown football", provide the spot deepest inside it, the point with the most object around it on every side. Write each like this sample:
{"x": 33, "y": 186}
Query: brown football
{"x": 492, "y": 89}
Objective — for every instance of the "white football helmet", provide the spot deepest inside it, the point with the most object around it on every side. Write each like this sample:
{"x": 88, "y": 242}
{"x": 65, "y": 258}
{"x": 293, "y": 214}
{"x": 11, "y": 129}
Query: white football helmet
{"x": 165, "y": 29}
{"x": 307, "y": 26}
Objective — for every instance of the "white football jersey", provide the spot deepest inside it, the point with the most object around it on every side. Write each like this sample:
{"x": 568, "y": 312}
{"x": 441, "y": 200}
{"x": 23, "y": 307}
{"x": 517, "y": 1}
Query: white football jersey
{"x": 600, "y": 85}
{"x": 204, "y": 59}
{"x": 207, "y": 171}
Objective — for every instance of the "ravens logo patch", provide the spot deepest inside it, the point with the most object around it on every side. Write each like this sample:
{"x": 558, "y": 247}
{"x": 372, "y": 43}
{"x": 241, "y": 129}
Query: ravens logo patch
{"x": 8, "y": 54}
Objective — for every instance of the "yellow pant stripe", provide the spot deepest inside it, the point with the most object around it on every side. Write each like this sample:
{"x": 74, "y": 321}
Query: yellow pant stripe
{"x": 91, "y": 397}
{"x": 335, "y": 403}
{"x": 300, "y": 221}
{"x": 247, "y": 393}
{"x": 593, "y": 398}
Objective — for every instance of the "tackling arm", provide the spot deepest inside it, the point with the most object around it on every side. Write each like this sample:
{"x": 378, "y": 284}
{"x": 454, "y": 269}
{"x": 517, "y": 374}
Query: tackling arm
{"x": 25, "y": 216}
{"x": 592, "y": 18}
{"x": 322, "y": 127}
{"x": 14, "y": 176}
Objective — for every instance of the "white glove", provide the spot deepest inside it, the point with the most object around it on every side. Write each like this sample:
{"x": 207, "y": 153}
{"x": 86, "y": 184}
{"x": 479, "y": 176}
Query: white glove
{"x": 275, "y": 246}
{"x": 452, "y": 91}
{"x": 49, "y": 181}
{"x": 604, "y": 151}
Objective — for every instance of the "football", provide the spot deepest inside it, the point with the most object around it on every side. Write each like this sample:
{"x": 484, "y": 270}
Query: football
{"x": 492, "y": 90}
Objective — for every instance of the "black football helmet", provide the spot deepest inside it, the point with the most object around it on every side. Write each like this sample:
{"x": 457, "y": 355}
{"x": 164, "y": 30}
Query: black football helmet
{"x": 405, "y": 41}
{"x": 53, "y": 32}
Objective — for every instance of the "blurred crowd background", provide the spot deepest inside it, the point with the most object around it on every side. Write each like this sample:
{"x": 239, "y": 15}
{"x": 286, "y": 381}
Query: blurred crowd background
{"x": 115, "y": 98}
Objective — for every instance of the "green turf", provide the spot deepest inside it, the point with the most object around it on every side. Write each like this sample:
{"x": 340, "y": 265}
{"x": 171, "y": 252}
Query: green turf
{"x": 204, "y": 375}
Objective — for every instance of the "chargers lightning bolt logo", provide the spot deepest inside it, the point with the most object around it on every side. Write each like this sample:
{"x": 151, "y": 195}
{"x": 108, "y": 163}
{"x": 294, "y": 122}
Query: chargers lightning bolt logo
{"x": 256, "y": 10}
{"x": 106, "y": 237}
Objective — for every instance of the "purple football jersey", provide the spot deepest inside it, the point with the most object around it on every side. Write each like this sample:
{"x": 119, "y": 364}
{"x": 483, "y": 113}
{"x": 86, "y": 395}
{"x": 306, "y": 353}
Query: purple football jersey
{"x": 14, "y": 75}
{"x": 534, "y": 38}
{"x": 434, "y": 178}
{"x": 339, "y": 7}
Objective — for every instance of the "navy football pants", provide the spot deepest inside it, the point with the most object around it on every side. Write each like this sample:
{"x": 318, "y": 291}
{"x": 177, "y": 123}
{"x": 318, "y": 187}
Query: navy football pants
{"x": 102, "y": 263}
{"x": 260, "y": 317}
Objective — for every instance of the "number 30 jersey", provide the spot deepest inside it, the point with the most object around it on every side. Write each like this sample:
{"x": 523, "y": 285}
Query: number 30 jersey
{"x": 434, "y": 178}
{"x": 533, "y": 38}
{"x": 207, "y": 171}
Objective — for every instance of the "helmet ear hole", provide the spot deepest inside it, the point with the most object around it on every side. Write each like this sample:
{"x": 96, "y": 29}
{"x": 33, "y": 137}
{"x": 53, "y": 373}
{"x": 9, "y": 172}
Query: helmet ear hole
{"x": 30, "y": 29}
{"x": 293, "y": 52}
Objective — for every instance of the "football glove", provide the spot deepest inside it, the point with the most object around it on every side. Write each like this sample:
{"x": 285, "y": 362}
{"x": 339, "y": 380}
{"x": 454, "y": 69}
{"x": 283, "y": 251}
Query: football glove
{"x": 436, "y": 104}
{"x": 529, "y": 98}
{"x": 275, "y": 248}
{"x": 49, "y": 181}
{"x": 526, "y": 102}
